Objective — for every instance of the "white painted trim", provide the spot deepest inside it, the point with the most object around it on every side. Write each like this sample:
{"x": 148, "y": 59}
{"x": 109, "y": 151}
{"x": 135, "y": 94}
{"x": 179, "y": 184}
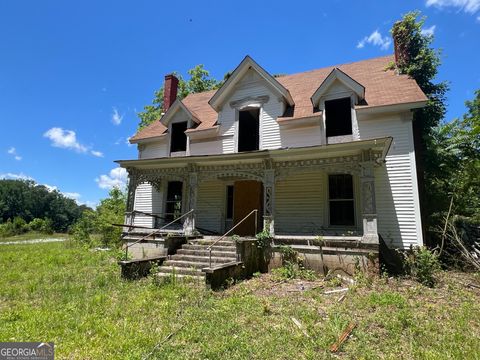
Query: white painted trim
{"x": 413, "y": 167}
{"x": 150, "y": 139}
{"x": 363, "y": 110}
{"x": 177, "y": 105}
{"x": 337, "y": 74}
{"x": 247, "y": 63}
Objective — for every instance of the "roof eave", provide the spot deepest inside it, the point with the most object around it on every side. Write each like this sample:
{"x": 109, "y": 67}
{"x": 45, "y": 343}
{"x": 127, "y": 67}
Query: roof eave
{"x": 217, "y": 100}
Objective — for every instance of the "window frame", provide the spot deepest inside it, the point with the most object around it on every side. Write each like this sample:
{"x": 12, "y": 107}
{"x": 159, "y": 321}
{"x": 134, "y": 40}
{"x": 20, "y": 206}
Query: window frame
{"x": 353, "y": 200}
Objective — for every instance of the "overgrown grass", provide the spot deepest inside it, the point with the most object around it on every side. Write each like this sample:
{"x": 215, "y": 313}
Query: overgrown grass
{"x": 74, "y": 296}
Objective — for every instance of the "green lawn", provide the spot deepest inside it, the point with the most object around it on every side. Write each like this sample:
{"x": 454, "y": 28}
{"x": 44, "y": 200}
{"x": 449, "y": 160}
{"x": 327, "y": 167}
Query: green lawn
{"x": 75, "y": 297}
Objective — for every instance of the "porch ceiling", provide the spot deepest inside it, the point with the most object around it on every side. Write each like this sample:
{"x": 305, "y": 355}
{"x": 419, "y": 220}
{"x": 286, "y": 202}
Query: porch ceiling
{"x": 380, "y": 145}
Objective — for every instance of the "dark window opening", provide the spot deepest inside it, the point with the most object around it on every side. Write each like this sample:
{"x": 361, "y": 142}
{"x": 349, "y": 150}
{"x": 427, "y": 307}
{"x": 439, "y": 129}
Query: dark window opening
{"x": 338, "y": 115}
{"x": 248, "y": 130}
{"x": 173, "y": 207}
{"x": 178, "y": 138}
{"x": 340, "y": 195}
{"x": 230, "y": 202}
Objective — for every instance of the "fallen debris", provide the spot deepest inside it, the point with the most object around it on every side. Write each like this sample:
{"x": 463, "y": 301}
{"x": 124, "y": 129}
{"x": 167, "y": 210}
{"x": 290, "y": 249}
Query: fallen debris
{"x": 346, "y": 333}
{"x": 335, "y": 291}
{"x": 300, "y": 326}
{"x": 341, "y": 298}
{"x": 472, "y": 285}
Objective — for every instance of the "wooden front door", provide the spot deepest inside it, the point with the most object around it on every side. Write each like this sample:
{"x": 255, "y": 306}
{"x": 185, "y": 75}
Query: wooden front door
{"x": 248, "y": 195}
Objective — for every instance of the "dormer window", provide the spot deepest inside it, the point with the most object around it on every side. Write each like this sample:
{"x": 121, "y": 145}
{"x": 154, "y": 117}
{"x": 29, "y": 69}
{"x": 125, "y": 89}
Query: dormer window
{"x": 248, "y": 130}
{"x": 178, "y": 140}
{"x": 338, "y": 117}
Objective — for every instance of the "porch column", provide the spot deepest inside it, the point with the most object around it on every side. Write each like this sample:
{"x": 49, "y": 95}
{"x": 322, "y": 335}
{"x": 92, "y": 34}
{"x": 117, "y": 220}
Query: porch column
{"x": 189, "y": 224}
{"x": 269, "y": 200}
{"x": 369, "y": 210}
{"x": 131, "y": 189}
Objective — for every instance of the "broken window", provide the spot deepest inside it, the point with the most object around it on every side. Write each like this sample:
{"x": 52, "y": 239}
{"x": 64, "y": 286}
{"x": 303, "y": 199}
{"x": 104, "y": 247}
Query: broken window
{"x": 248, "y": 130}
{"x": 341, "y": 203}
{"x": 338, "y": 117}
{"x": 178, "y": 140}
{"x": 173, "y": 205}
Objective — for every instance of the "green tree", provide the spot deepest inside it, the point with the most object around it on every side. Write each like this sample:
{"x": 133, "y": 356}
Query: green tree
{"x": 199, "y": 81}
{"x": 98, "y": 223}
{"x": 417, "y": 59}
{"x": 28, "y": 200}
{"x": 456, "y": 146}
{"x": 111, "y": 211}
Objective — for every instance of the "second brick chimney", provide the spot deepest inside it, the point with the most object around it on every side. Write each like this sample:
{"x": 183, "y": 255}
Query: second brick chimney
{"x": 169, "y": 91}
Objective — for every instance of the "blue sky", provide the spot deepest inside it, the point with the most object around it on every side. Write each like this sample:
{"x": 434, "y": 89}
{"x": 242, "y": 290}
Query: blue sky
{"x": 73, "y": 74}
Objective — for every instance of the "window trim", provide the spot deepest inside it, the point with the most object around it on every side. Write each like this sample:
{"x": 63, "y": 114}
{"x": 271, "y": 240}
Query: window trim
{"x": 336, "y": 96}
{"x": 355, "y": 187}
{"x": 250, "y": 106}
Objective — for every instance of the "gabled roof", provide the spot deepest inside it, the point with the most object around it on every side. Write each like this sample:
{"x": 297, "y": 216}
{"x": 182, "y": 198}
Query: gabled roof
{"x": 178, "y": 106}
{"x": 383, "y": 88}
{"x": 337, "y": 74}
{"x": 247, "y": 63}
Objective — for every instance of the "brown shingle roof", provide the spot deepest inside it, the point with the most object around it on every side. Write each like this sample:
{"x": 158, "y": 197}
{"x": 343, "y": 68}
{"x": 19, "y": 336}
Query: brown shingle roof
{"x": 382, "y": 87}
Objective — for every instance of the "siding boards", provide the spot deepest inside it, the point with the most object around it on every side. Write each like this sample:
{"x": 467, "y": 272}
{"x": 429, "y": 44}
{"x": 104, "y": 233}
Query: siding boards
{"x": 394, "y": 188}
{"x": 210, "y": 205}
{"x": 154, "y": 150}
{"x": 307, "y": 136}
{"x": 143, "y": 202}
{"x": 299, "y": 204}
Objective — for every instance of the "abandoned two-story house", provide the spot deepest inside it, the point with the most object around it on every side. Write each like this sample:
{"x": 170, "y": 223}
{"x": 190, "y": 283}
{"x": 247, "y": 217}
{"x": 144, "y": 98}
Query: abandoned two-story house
{"x": 326, "y": 152}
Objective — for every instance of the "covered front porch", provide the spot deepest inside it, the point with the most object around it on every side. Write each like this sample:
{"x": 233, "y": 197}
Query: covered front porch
{"x": 302, "y": 193}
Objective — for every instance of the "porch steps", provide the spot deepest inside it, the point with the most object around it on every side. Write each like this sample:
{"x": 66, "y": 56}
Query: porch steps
{"x": 188, "y": 262}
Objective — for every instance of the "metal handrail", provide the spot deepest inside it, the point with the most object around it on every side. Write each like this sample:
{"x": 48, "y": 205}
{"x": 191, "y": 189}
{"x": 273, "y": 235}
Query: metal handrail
{"x": 228, "y": 232}
{"x": 155, "y": 232}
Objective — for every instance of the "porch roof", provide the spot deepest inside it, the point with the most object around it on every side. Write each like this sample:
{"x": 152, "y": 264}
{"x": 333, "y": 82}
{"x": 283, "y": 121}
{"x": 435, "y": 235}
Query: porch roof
{"x": 284, "y": 154}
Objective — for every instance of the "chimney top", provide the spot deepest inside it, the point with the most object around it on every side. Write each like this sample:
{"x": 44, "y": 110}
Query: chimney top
{"x": 169, "y": 91}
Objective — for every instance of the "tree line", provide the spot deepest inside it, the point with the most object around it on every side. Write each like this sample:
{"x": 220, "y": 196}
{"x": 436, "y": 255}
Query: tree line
{"x": 26, "y": 205}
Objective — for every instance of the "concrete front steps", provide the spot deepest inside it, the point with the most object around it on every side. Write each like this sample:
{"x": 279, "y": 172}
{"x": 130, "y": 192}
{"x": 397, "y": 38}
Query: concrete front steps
{"x": 191, "y": 258}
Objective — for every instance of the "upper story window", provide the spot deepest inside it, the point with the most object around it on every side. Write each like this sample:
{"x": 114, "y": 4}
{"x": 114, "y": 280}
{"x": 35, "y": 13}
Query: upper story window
{"x": 248, "y": 130}
{"x": 338, "y": 117}
{"x": 178, "y": 141}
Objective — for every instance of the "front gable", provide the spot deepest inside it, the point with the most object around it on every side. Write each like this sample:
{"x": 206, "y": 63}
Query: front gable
{"x": 338, "y": 84}
{"x": 248, "y": 71}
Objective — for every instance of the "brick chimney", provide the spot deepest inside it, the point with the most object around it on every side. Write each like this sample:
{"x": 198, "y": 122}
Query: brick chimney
{"x": 169, "y": 91}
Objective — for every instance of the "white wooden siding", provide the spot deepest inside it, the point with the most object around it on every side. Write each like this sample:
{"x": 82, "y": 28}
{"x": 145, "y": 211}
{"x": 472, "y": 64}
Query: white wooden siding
{"x": 149, "y": 200}
{"x": 206, "y": 147}
{"x": 252, "y": 86}
{"x": 395, "y": 190}
{"x": 143, "y": 202}
{"x": 210, "y": 205}
{"x": 307, "y": 136}
{"x": 300, "y": 204}
{"x": 154, "y": 150}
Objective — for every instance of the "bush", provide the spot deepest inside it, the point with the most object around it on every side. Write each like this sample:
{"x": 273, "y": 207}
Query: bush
{"x": 41, "y": 225}
{"x": 422, "y": 264}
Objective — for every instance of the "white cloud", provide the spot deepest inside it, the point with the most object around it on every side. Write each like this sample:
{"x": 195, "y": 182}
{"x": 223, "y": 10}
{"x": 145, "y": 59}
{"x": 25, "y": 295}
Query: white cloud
{"x": 478, "y": 18}
{"x": 429, "y": 31}
{"x": 65, "y": 139}
{"x": 11, "y": 176}
{"x": 376, "y": 39}
{"x": 72, "y": 195}
{"x": 116, "y": 178}
{"x": 49, "y": 187}
{"x": 96, "y": 153}
{"x": 468, "y": 6}
{"x": 116, "y": 117}
{"x": 12, "y": 151}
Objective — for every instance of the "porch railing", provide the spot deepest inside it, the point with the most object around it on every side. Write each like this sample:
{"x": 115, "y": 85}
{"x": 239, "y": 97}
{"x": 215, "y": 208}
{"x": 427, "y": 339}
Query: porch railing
{"x": 229, "y": 231}
{"x": 156, "y": 231}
